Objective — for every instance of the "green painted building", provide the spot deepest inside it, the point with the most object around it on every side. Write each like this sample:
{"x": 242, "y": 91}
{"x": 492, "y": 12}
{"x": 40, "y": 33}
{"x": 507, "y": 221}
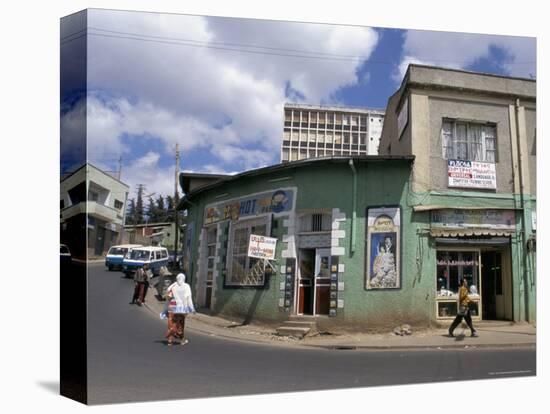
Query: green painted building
{"x": 349, "y": 249}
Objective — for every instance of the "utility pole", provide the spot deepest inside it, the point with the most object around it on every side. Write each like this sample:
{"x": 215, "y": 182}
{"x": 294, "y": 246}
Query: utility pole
{"x": 119, "y": 167}
{"x": 176, "y": 201}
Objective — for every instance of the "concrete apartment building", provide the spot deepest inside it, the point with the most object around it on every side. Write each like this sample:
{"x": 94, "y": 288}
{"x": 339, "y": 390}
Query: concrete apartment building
{"x": 322, "y": 131}
{"x": 94, "y": 201}
{"x": 473, "y": 184}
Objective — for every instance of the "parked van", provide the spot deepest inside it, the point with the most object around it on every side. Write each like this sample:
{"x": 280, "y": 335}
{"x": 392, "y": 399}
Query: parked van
{"x": 116, "y": 255}
{"x": 154, "y": 256}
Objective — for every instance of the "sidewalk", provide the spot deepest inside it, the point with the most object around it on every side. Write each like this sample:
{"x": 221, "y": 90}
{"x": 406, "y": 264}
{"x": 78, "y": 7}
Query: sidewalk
{"x": 491, "y": 335}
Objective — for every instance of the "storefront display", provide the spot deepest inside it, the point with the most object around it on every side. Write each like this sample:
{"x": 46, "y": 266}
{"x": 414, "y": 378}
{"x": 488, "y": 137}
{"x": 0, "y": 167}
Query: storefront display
{"x": 452, "y": 267}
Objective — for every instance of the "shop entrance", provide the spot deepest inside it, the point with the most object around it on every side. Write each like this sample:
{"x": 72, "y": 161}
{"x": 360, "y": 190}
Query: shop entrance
{"x": 493, "y": 295}
{"x": 313, "y": 282}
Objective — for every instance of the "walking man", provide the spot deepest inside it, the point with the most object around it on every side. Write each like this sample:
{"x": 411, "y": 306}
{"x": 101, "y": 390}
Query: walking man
{"x": 463, "y": 310}
{"x": 141, "y": 284}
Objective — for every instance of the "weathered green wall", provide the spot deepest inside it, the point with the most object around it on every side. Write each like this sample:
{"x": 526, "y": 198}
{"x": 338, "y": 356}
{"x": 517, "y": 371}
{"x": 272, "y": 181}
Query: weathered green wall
{"x": 379, "y": 183}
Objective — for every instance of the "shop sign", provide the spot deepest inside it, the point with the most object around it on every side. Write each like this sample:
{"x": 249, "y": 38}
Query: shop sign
{"x": 277, "y": 201}
{"x": 487, "y": 219}
{"x": 383, "y": 248}
{"x": 262, "y": 247}
{"x": 471, "y": 174}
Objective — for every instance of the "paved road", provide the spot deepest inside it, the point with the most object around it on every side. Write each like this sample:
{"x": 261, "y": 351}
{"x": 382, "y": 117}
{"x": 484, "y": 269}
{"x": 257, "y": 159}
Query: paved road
{"x": 128, "y": 360}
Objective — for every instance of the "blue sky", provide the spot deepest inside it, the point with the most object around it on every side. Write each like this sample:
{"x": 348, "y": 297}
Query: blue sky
{"x": 217, "y": 86}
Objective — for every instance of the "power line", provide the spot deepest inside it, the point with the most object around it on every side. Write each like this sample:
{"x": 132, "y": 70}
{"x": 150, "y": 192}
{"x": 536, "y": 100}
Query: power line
{"x": 237, "y": 47}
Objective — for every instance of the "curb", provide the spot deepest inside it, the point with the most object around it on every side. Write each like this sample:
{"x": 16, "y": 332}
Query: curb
{"x": 348, "y": 347}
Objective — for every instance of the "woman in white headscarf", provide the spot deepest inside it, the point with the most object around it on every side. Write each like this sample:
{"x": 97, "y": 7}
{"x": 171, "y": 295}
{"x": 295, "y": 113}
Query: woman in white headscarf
{"x": 179, "y": 305}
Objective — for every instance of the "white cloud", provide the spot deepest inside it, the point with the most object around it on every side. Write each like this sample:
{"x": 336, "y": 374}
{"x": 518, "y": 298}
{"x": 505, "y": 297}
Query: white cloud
{"x": 226, "y": 102}
{"x": 461, "y": 50}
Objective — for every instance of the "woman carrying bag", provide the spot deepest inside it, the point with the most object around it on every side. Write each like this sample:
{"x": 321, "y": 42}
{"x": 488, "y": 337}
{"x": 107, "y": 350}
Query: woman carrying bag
{"x": 463, "y": 310}
{"x": 180, "y": 304}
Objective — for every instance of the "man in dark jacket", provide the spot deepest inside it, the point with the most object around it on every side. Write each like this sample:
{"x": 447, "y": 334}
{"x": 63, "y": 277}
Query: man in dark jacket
{"x": 141, "y": 284}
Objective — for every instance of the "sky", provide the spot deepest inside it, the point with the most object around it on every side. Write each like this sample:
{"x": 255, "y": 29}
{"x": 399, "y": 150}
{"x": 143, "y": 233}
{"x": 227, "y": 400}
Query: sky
{"x": 217, "y": 86}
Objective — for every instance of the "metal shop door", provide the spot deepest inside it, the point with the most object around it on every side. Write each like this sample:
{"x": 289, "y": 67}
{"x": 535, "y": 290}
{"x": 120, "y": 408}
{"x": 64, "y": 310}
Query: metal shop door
{"x": 314, "y": 282}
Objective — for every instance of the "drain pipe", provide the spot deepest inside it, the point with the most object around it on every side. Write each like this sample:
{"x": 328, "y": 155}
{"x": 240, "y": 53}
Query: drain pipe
{"x": 523, "y": 235}
{"x": 354, "y": 207}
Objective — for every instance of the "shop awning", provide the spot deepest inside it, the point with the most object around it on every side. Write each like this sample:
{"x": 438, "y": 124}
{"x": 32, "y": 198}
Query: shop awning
{"x": 470, "y": 232}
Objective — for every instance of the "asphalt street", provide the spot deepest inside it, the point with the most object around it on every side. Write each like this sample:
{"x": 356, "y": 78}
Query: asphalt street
{"x": 129, "y": 361}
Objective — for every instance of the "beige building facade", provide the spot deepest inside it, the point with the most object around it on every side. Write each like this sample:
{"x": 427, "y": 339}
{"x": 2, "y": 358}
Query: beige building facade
{"x": 312, "y": 131}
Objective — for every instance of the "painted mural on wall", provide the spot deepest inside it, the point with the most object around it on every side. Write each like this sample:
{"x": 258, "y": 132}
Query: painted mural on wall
{"x": 383, "y": 244}
{"x": 275, "y": 201}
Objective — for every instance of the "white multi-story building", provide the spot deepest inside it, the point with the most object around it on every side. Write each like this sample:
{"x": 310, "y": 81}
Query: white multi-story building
{"x": 323, "y": 131}
{"x": 93, "y": 203}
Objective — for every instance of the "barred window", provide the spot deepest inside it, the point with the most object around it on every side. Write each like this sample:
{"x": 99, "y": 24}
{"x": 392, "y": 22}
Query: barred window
{"x": 244, "y": 270}
{"x": 469, "y": 141}
{"x": 315, "y": 222}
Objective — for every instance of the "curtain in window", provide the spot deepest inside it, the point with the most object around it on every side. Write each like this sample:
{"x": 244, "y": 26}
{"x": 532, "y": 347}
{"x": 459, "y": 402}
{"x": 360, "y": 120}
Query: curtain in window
{"x": 447, "y": 138}
{"x": 490, "y": 147}
{"x": 461, "y": 142}
{"x": 474, "y": 138}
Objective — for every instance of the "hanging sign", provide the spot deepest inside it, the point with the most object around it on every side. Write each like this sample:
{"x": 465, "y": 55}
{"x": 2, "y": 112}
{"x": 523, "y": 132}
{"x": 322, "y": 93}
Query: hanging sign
{"x": 262, "y": 247}
{"x": 471, "y": 174}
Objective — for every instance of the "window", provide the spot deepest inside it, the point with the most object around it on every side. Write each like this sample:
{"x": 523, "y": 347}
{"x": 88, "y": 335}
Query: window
{"x": 288, "y": 115}
{"x": 329, "y": 137}
{"x": 93, "y": 196}
{"x": 452, "y": 267}
{"x": 118, "y": 204}
{"x": 468, "y": 141}
{"x": 244, "y": 270}
{"x": 320, "y": 136}
{"x": 285, "y": 154}
{"x": 316, "y": 222}
{"x": 140, "y": 255}
{"x": 62, "y": 204}
{"x": 303, "y": 153}
{"x": 286, "y": 135}
{"x": 211, "y": 253}
{"x": 164, "y": 254}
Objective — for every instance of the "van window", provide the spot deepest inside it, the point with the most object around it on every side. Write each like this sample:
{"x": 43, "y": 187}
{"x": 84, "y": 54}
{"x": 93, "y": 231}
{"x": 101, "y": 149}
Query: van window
{"x": 140, "y": 255}
{"x": 157, "y": 255}
{"x": 117, "y": 251}
{"x": 164, "y": 254}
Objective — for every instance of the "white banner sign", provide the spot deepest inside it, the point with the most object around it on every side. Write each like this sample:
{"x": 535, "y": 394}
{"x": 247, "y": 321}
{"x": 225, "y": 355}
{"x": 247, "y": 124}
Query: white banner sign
{"x": 471, "y": 174}
{"x": 262, "y": 247}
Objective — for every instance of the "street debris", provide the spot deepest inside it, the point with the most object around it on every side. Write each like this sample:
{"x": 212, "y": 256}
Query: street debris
{"x": 403, "y": 330}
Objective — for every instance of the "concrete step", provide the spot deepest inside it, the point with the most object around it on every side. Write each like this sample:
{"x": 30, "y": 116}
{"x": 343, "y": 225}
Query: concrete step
{"x": 300, "y": 324}
{"x": 292, "y": 331}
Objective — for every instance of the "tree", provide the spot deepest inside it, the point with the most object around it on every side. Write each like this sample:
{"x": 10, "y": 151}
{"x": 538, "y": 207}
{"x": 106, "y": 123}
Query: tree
{"x": 139, "y": 206}
{"x": 169, "y": 208}
{"x": 152, "y": 214}
{"x": 161, "y": 211}
{"x": 131, "y": 212}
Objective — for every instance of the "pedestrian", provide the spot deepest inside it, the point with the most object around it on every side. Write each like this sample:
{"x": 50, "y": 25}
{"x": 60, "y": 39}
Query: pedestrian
{"x": 463, "y": 309}
{"x": 141, "y": 284}
{"x": 148, "y": 274}
{"x": 180, "y": 303}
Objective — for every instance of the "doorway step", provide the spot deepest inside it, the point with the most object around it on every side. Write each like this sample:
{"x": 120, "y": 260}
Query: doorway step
{"x": 298, "y": 327}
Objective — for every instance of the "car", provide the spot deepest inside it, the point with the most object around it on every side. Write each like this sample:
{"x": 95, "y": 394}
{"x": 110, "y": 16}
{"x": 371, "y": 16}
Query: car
{"x": 154, "y": 256}
{"x": 115, "y": 255}
{"x": 65, "y": 255}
